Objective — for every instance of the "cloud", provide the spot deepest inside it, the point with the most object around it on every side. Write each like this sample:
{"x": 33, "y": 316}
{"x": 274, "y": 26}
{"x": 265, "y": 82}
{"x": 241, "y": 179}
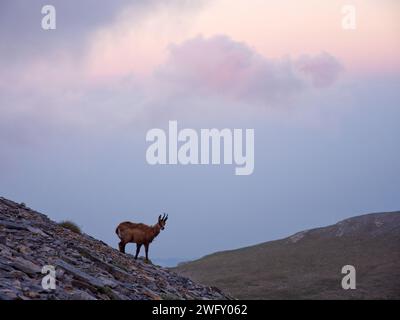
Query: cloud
{"x": 22, "y": 35}
{"x": 323, "y": 69}
{"x": 221, "y": 66}
{"x": 136, "y": 41}
{"x": 53, "y": 92}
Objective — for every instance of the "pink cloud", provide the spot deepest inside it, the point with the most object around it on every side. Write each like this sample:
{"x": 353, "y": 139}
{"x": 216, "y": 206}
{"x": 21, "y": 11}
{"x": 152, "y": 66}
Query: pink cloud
{"x": 224, "y": 67}
{"x": 323, "y": 69}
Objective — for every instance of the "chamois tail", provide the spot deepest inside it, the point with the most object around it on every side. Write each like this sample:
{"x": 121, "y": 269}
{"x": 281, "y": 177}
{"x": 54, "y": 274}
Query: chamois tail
{"x": 117, "y": 232}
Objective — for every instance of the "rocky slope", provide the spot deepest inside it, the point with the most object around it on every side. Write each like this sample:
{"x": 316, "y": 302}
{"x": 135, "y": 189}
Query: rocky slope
{"x": 308, "y": 264}
{"x": 86, "y": 268}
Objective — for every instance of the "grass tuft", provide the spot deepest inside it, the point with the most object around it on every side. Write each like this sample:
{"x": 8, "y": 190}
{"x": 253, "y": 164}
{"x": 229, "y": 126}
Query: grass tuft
{"x": 72, "y": 226}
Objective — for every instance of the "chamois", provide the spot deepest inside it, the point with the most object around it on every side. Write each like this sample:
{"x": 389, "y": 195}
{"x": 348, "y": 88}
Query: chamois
{"x": 139, "y": 233}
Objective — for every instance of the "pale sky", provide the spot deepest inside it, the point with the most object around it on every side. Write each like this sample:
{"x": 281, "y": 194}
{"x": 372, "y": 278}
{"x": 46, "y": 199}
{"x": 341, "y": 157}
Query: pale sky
{"x": 76, "y": 103}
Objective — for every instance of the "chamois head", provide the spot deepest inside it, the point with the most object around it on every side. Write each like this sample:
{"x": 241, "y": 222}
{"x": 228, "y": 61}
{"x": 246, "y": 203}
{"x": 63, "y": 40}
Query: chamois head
{"x": 162, "y": 221}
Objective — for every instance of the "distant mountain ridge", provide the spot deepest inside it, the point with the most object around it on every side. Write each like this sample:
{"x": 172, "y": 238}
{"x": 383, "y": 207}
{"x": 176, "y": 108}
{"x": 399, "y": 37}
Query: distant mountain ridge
{"x": 307, "y": 265}
{"x": 374, "y": 224}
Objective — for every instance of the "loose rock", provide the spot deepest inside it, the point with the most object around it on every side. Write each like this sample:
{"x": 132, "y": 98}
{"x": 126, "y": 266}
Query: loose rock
{"x": 86, "y": 268}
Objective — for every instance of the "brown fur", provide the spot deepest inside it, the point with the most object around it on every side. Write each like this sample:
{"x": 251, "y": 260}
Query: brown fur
{"x": 139, "y": 233}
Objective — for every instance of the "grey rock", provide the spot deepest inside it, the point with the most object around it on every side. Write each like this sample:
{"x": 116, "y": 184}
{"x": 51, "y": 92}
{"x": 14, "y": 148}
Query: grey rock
{"x": 12, "y": 225}
{"x": 25, "y": 266}
{"x": 108, "y": 282}
{"x": 37, "y": 231}
{"x": 82, "y": 295}
{"x": 78, "y": 274}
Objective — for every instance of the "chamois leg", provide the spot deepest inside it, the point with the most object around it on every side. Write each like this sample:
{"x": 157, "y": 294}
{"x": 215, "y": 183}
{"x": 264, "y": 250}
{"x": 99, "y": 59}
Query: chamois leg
{"x": 122, "y": 246}
{"x": 146, "y": 247}
{"x": 138, "y": 246}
